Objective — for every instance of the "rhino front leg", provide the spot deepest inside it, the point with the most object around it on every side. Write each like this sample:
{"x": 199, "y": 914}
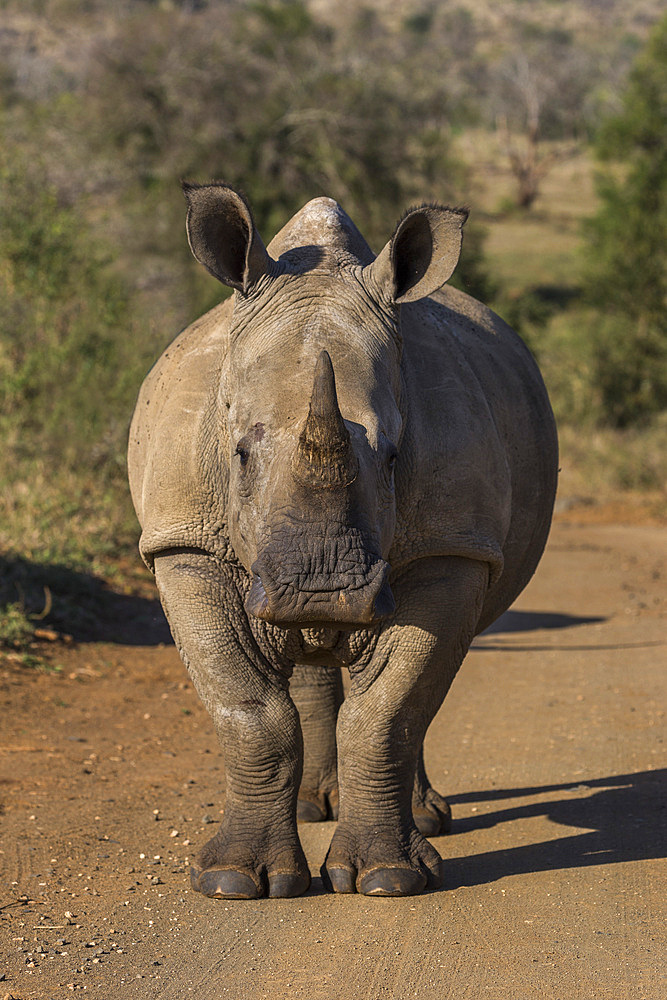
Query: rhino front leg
{"x": 256, "y": 851}
{"x": 377, "y": 848}
{"x": 317, "y": 692}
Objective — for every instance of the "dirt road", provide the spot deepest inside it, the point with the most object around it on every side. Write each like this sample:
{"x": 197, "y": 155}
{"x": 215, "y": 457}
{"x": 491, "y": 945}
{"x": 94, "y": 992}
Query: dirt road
{"x": 549, "y": 747}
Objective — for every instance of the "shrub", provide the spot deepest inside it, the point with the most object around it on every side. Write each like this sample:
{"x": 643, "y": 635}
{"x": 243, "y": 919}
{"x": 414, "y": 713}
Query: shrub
{"x": 627, "y": 251}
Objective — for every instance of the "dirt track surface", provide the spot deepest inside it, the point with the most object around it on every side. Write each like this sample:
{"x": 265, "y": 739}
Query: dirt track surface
{"x": 549, "y": 748}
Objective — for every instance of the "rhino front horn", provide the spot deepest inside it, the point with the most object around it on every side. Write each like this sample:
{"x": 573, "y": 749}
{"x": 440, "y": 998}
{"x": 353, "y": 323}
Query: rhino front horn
{"x": 324, "y": 455}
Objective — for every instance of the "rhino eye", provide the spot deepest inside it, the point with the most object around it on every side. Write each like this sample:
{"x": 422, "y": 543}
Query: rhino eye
{"x": 391, "y": 460}
{"x": 243, "y": 454}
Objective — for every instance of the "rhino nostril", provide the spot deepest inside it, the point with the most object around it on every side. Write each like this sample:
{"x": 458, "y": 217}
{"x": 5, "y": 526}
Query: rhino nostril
{"x": 384, "y": 605}
{"x": 257, "y": 602}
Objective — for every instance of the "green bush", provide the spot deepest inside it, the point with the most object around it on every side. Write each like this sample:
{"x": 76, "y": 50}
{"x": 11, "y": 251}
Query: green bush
{"x": 69, "y": 364}
{"x": 626, "y": 278}
{"x": 16, "y": 629}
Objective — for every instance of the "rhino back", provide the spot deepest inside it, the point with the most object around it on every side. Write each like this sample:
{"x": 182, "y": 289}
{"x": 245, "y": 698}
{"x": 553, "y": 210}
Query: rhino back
{"x": 479, "y": 458}
{"x": 176, "y": 457}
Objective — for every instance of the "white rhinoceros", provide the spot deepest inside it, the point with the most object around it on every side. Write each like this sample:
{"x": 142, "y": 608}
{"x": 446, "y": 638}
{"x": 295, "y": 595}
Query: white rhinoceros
{"x": 340, "y": 466}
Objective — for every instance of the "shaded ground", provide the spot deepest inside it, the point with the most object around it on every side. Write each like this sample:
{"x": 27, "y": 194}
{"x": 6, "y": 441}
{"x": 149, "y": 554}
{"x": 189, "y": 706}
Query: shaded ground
{"x": 550, "y": 747}
{"x": 83, "y": 607}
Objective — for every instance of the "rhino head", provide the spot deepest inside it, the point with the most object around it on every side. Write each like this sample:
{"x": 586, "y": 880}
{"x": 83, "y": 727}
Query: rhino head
{"x": 310, "y": 406}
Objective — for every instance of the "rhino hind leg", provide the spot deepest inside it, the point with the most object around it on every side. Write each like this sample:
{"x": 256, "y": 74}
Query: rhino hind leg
{"x": 256, "y": 850}
{"x": 377, "y": 848}
{"x": 431, "y": 811}
{"x": 317, "y": 692}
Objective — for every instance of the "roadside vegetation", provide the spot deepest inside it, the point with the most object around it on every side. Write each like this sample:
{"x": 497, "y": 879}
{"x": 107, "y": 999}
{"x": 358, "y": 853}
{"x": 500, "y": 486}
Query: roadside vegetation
{"x": 548, "y": 119}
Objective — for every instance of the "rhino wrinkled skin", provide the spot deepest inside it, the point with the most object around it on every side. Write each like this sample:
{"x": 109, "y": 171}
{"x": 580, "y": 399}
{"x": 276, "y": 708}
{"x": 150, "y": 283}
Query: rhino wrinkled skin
{"x": 343, "y": 465}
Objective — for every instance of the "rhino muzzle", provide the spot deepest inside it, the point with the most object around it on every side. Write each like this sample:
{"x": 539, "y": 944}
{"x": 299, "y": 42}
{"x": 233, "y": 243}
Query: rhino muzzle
{"x": 324, "y": 455}
{"x": 278, "y": 596}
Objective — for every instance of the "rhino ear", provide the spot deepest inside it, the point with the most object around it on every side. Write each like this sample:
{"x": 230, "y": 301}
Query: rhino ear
{"x": 223, "y": 237}
{"x": 422, "y": 253}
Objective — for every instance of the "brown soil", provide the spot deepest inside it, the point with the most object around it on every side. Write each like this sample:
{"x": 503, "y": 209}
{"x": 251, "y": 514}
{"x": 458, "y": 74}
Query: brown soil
{"x": 549, "y": 748}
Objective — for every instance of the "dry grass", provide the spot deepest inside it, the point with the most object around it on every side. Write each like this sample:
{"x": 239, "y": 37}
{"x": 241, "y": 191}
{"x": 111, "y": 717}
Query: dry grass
{"x": 601, "y": 467}
{"x": 536, "y": 248}
{"x": 493, "y": 18}
{"x": 57, "y": 517}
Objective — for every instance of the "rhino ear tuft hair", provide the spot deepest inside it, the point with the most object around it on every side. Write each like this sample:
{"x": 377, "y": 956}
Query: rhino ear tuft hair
{"x": 421, "y": 255}
{"x": 223, "y": 236}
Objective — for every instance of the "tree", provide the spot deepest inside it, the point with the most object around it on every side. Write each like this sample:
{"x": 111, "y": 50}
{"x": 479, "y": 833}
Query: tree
{"x": 538, "y": 89}
{"x": 627, "y": 269}
{"x": 277, "y": 102}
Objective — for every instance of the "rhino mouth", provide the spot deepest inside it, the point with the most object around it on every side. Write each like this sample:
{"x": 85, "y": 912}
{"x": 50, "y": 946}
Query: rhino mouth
{"x": 339, "y": 585}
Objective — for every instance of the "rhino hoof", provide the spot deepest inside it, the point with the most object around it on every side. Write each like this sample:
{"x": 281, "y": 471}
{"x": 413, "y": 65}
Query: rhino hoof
{"x": 316, "y": 807}
{"x": 432, "y": 822}
{"x": 224, "y": 883}
{"x": 432, "y": 814}
{"x": 392, "y": 882}
{"x": 338, "y": 879}
{"x": 308, "y": 811}
{"x": 285, "y": 884}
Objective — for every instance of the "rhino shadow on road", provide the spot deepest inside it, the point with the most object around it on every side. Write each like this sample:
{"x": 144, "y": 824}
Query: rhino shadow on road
{"x": 528, "y": 621}
{"x": 623, "y": 819}
{"x": 80, "y": 604}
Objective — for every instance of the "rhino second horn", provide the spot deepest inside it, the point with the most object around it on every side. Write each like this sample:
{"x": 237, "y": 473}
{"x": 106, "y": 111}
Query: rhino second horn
{"x": 324, "y": 455}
